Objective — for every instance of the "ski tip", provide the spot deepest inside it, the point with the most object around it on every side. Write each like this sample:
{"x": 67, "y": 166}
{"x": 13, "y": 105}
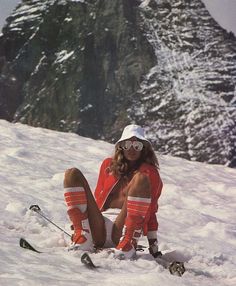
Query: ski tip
{"x": 87, "y": 261}
{"x": 177, "y": 268}
{"x": 25, "y": 244}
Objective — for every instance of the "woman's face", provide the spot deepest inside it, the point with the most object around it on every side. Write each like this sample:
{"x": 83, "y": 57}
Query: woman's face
{"x": 132, "y": 149}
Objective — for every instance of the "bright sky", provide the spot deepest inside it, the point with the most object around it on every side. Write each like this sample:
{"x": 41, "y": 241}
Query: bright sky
{"x": 224, "y": 11}
{"x": 6, "y": 6}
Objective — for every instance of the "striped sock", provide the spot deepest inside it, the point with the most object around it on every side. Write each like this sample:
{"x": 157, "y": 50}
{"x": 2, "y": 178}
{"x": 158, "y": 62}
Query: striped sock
{"x": 137, "y": 206}
{"x": 75, "y": 197}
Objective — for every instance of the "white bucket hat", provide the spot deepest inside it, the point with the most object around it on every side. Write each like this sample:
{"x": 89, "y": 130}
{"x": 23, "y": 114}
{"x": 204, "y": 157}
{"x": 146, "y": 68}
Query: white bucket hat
{"x": 133, "y": 130}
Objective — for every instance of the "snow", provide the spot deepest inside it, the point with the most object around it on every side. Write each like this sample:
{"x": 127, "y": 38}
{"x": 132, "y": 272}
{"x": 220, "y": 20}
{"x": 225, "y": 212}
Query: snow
{"x": 82, "y": 1}
{"x": 144, "y": 3}
{"x": 63, "y": 56}
{"x": 196, "y": 215}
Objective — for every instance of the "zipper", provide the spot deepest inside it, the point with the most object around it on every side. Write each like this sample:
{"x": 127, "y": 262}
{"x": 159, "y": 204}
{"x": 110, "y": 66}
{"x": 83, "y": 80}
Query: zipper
{"x": 112, "y": 188}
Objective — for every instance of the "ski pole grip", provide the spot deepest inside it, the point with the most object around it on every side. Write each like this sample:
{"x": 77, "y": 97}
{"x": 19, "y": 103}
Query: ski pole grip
{"x": 35, "y": 208}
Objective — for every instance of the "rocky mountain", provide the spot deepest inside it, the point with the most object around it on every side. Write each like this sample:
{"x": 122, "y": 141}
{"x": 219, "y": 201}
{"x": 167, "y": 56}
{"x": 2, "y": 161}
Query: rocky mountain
{"x": 90, "y": 67}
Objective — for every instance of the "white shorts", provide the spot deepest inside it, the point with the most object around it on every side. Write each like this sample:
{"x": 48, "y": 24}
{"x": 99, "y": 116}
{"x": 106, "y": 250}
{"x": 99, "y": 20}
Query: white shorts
{"x": 110, "y": 216}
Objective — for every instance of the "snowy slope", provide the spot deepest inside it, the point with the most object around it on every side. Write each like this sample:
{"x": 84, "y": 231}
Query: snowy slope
{"x": 196, "y": 215}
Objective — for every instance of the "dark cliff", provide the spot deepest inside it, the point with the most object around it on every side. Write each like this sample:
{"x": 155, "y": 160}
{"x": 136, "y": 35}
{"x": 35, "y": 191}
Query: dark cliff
{"x": 90, "y": 67}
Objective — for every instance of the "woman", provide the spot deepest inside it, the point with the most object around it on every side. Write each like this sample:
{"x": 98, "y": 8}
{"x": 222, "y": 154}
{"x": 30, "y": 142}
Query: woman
{"x": 128, "y": 184}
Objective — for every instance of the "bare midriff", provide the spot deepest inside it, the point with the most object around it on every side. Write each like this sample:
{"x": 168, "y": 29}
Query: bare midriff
{"x": 115, "y": 200}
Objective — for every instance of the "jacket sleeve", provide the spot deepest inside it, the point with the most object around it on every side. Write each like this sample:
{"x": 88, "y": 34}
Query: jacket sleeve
{"x": 101, "y": 178}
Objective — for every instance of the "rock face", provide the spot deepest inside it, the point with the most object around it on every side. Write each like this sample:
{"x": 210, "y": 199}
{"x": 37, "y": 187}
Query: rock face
{"x": 90, "y": 67}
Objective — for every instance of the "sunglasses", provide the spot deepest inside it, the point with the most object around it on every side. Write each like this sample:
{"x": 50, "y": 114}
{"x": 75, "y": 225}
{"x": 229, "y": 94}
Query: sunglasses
{"x": 137, "y": 145}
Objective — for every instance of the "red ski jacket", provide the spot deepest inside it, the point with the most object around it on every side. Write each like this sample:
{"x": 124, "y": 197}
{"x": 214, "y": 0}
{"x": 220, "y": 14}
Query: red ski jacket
{"x": 106, "y": 182}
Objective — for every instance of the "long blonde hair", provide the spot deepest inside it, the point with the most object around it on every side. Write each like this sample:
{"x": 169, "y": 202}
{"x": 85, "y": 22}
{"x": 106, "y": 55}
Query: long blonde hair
{"x": 120, "y": 165}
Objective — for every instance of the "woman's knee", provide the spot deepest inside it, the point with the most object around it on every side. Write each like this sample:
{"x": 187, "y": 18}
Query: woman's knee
{"x": 140, "y": 185}
{"x": 73, "y": 177}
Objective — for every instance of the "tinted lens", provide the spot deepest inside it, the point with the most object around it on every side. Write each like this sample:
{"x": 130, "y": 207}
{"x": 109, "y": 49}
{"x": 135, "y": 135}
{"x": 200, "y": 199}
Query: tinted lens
{"x": 127, "y": 145}
{"x": 137, "y": 145}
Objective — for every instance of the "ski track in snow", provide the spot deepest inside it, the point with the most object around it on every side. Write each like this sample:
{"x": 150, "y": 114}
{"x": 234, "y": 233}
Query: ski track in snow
{"x": 196, "y": 215}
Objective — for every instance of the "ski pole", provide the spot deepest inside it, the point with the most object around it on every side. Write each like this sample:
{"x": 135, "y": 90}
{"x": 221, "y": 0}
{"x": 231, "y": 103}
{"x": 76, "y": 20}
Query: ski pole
{"x": 37, "y": 209}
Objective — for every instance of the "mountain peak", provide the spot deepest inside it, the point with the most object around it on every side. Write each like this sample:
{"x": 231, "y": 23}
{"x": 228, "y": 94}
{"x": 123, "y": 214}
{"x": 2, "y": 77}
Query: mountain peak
{"x": 91, "y": 67}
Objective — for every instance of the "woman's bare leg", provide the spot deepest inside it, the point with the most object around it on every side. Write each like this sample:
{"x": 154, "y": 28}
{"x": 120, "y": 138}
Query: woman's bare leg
{"x": 140, "y": 187}
{"x": 75, "y": 178}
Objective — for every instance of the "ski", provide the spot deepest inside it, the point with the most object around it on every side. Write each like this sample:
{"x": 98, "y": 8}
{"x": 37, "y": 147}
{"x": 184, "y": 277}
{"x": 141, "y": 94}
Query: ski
{"x": 174, "y": 267}
{"x": 87, "y": 261}
{"x": 26, "y": 245}
{"x": 177, "y": 268}
{"x": 85, "y": 258}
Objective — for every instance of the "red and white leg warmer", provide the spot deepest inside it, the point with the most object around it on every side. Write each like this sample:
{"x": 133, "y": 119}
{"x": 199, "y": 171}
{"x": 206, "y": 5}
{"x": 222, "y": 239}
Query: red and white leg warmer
{"x": 76, "y": 201}
{"x": 136, "y": 211}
